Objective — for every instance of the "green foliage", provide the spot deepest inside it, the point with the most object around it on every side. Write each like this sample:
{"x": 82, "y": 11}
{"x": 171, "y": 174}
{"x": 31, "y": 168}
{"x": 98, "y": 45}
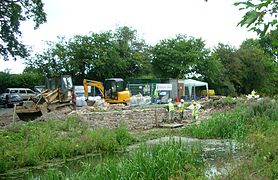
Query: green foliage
{"x": 239, "y": 71}
{"x": 226, "y": 78}
{"x": 261, "y": 143}
{"x": 166, "y": 161}
{"x": 260, "y": 71}
{"x": 12, "y": 13}
{"x": 26, "y": 80}
{"x": 92, "y": 56}
{"x": 269, "y": 43}
{"x": 238, "y": 123}
{"x": 176, "y": 57}
{"x": 260, "y": 16}
{"x": 36, "y": 142}
{"x": 122, "y": 135}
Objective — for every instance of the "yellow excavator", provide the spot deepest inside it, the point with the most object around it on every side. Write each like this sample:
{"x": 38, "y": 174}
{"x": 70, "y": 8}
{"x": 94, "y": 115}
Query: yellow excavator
{"x": 113, "y": 91}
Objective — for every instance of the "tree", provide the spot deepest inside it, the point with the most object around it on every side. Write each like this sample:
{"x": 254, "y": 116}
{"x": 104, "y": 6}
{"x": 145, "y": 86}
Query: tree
{"x": 225, "y": 77}
{"x": 12, "y": 13}
{"x": 270, "y": 44}
{"x": 260, "y": 72}
{"x": 50, "y": 61}
{"x": 133, "y": 51}
{"x": 260, "y": 16}
{"x": 95, "y": 56}
{"x": 176, "y": 57}
{"x": 27, "y": 80}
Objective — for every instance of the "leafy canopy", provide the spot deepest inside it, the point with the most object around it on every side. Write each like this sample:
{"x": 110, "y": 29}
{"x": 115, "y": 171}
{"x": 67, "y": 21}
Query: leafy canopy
{"x": 95, "y": 56}
{"x": 260, "y": 16}
{"x": 12, "y": 13}
{"x": 178, "y": 56}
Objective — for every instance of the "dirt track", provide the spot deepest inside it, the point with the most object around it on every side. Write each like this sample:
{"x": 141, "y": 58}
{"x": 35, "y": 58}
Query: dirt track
{"x": 6, "y": 116}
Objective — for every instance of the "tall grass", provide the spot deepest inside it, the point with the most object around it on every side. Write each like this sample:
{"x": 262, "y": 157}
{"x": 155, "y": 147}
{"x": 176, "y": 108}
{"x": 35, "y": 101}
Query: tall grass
{"x": 171, "y": 160}
{"x": 238, "y": 123}
{"x": 255, "y": 123}
{"x": 34, "y": 143}
{"x": 262, "y": 143}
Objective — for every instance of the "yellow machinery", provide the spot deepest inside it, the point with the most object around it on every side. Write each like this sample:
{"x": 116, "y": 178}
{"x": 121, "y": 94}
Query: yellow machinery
{"x": 210, "y": 92}
{"x": 113, "y": 90}
{"x": 58, "y": 95}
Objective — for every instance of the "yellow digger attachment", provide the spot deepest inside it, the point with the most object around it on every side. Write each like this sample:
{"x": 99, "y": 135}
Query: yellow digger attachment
{"x": 28, "y": 111}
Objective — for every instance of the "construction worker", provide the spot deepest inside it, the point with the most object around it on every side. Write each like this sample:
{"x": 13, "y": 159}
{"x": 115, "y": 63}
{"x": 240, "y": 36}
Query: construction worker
{"x": 195, "y": 110}
{"x": 155, "y": 96}
{"x": 146, "y": 90}
{"x": 170, "y": 108}
{"x": 181, "y": 109}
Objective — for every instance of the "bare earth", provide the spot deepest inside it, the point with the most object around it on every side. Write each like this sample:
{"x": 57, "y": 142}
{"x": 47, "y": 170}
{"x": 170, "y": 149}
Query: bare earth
{"x": 6, "y": 116}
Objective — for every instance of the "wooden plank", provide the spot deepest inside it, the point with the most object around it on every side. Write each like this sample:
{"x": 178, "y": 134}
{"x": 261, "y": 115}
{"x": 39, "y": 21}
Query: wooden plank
{"x": 172, "y": 125}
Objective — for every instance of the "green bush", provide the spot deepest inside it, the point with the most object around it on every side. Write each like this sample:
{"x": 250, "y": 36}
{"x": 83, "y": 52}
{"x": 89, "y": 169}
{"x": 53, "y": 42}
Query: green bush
{"x": 122, "y": 135}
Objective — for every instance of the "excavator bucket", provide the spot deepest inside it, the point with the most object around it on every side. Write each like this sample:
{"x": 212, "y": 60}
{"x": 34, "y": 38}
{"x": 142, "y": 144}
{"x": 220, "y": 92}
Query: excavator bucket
{"x": 28, "y": 111}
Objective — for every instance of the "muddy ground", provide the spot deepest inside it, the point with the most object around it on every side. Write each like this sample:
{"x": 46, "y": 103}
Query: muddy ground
{"x": 6, "y": 116}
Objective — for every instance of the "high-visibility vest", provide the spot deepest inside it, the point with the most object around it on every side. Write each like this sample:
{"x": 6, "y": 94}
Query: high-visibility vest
{"x": 181, "y": 107}
{"x": 155, "y": 94}
{"x": 195, "y": 111}
{"x": 171, "y": 107}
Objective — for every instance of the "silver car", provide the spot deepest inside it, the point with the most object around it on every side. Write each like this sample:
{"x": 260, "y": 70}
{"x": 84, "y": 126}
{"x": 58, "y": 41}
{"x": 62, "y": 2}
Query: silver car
{"x": 24, "y": 93}
{"x": 9, "y": 100}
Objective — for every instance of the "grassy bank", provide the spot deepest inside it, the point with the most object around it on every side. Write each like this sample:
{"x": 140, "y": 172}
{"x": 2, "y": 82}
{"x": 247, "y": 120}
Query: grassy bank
{"x": 255, "y": 124}
{"x": 165, "y": 161}
{"x": 35, "y": 143}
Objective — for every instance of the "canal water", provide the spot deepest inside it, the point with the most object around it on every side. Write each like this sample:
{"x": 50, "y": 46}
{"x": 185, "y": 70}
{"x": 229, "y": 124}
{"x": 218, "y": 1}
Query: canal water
{"x": 217, "y": 154}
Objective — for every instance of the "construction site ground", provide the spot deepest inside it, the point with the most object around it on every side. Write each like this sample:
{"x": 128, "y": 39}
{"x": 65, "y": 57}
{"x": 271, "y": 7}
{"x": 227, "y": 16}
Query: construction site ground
{"x": 7, "y": 116}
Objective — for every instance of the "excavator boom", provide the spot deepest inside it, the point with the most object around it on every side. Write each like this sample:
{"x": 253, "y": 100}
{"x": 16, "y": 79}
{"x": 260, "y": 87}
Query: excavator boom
{"x": 97, "y": 84}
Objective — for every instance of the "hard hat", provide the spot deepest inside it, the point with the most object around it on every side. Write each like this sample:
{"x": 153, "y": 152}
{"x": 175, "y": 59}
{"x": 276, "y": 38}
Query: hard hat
{"x": 182, "y": 100}
{"x": 170, "y": 100}
{"x": 194, "y": 102}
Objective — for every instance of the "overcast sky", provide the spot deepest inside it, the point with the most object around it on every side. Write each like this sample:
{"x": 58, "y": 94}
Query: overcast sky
{"x": 214, "y": 21}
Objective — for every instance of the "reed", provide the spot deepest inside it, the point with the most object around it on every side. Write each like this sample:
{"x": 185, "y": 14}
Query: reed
{"x": 170, "y": 160}
{"x": 35, "y": 143}
{"x": 238, "y": 123}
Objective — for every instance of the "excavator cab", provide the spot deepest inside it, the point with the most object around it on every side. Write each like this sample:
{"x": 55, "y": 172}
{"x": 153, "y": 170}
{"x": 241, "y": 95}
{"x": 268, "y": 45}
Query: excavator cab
{"x": 63, "y": 85}
{"x": 112, "y": 86}
{"x": 115, "y": 91}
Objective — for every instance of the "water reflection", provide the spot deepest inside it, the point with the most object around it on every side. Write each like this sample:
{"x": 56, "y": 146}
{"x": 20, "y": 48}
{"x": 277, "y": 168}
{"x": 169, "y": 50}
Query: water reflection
{"x": 217, "y": 154}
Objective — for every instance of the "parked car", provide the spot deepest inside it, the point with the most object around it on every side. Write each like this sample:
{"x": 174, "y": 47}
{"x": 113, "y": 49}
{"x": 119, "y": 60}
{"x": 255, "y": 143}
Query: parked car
{"x": 10, "y": 99}
{"x": 24, "y": 93}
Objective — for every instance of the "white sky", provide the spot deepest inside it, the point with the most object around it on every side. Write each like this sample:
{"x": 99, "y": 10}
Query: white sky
{"x": 214, "y": 21}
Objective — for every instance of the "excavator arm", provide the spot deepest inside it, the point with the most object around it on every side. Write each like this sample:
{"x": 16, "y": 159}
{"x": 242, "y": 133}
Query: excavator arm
{"x": 97, "y": 84}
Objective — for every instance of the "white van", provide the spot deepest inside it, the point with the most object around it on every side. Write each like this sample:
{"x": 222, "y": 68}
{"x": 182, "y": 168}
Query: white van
{"x": 24, "y": 93}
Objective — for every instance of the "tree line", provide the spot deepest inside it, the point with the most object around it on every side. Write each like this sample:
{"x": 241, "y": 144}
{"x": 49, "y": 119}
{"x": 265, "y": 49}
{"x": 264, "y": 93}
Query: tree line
{"x": 229, "y": 70}
{"x": 122, "y": 53}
